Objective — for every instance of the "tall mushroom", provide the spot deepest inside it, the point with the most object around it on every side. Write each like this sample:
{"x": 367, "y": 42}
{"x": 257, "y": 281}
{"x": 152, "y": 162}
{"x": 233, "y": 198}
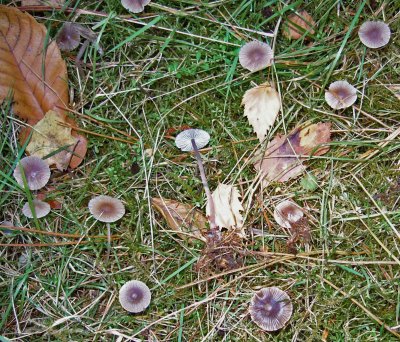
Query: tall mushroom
{"x": 193, "y": 140}
{"x": 106, "y": 209}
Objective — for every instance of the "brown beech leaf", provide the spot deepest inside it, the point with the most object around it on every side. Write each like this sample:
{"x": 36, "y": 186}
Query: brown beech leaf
{"x": 187, "y": 221}
{"x": 33, "y": 73}
{"x": 50, "y": 135}
{"x": 261, "y": 106}
{"x": 297, "y": 24}
{"x": 284, "y": 156}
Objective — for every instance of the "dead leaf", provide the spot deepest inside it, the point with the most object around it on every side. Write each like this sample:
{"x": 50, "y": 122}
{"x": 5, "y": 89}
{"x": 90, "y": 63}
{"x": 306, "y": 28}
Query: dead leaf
{"x": 45, "y": 195}
{"x": 227, "y": 208}
{"x": 187, "y": 221}
{"x": 298, "y": 24}
{"x": 261, "y": 106}
{"x": 50, "y": 135}
{"x": 52, "y": 3}
{"x": 284, "y": 156}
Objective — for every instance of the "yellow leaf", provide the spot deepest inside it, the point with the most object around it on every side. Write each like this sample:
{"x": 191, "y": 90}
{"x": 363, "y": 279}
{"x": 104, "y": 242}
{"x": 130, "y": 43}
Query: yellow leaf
{"x": 227, "y": 207}
{"x": 261, "y": 106}
{"x": 50, "y": 135}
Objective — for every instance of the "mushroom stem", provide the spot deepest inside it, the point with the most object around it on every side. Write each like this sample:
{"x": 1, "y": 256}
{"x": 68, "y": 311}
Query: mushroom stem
{"x": 108, "y": 240}
{"x": 205, "y": 184}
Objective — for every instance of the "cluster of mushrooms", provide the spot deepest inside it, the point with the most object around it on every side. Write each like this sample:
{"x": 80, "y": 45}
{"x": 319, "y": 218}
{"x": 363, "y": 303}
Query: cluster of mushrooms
{"x": 270, "y": 307}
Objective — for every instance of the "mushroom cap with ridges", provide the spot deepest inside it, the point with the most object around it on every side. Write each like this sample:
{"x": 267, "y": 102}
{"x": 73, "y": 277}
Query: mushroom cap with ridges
{"x": 106, "y": 208}
{"x": 374, "y": 34}
{"x": 255, "y": 55}
{"x": 184, "y": 139}
{"x": 270, "y": 308}
{"x": 36, "y": 171}
{"x": 341, "y": 94}
{"x": 287, "y": 213}
{"x": 41, "y": 209}
{"x": 134, "y": 296}
{"x": 68, "y": 38}
{"x": 135, "y": 6}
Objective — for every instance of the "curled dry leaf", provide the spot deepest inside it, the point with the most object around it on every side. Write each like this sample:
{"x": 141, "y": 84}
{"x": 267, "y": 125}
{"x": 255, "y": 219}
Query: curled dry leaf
{"x": 297, "y": 24}
{"x": 48, "y": 136}
{"x": 284, "y": 156}
{"x": 187, "y": 221}
{"x": 32, "y": 71}
{"x": 227, "y": 208}
{"x": 261, "y": 106}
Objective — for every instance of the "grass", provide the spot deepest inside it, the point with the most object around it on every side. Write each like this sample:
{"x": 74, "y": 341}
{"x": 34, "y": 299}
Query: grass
{"x": 174, "y": 65}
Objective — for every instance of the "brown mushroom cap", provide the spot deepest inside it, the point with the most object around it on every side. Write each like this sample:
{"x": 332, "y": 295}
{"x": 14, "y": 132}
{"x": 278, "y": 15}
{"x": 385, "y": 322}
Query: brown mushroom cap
{"x": 41, "y": 209}
{"x": 255, "y": 55}
{"x": 287, "y": 213}
{"x": 69, "y": 37}
{"x": 106, "y": 208}
{"x": 270, "y": 308}
{"x": 36, "y": 171}
{"x": 341, "y": 94}
{"x": 135, "y": 6}
{"x": 374, "y": 34}
{"x": 134, "y": 296}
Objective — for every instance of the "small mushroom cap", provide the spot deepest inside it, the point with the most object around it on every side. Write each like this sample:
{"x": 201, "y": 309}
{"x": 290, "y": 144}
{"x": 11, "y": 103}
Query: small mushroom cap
{"x": 374, "y": 34}
{"x": 255, "y": 55}
{"x": 106, "y": 208}
{"x": 36, "y": 171}
{"x": 135, "y": 6}
{"x": 286, "y": 213}
{"x": 41, "y": 209}
{"x": 7, "y": 231}
{"x": 134, "y": 296}
{"x": 270, "y": 308}
{"x": 341, "y": 94}
{"x": 184, "y": 139}
{"x": 69, "y": 37}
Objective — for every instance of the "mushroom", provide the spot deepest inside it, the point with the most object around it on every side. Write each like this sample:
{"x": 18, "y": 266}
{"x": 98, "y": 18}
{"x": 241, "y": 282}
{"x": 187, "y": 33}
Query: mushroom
{"x": 374, "y": 34}
{"x": 341, "y": 94}
{"x": 287, "y": 213}
{"x": 7, "y": 224}
{"x": 134, "y": 296}
{"x": 135, "y": 6}
{"x": 270, "y": 308}
{"x": 193, "y": 140}
{"x": 255, "y": 55}
{"x": 106, "y": 209}
{"x": 41, "y": 209}
{"x": 36, "y": 170}
{"x": 299, "y": 23}
{"x": 68, "y": 38}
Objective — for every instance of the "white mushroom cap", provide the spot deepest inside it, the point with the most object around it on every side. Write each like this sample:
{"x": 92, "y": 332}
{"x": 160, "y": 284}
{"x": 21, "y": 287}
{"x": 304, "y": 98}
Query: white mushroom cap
{"x": 41, "y": 209}
{"x": 135, "y": 296}
{"x": 184, "y": 139}
{"x": 135, "y": 6}
{"x": 271, "y": 308}
{"x": 341, "y": 94}
{"x": 255, "y": 55}
{"x": 286, "y": 213}
{"x": 374, "y": 34}
{"x": 36, "y": 171}
{"x": 106, "y": 208}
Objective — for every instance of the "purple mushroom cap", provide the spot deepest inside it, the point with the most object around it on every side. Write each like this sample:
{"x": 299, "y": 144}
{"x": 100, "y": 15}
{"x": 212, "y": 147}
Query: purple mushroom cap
{"x": 255, "y": 55}
{"x": 135, "y": 6}
{"x": 106, "y": 208}
{"x": 41, "y": 209}
{"x": 36, "y": 171}
{"x": 134, "y": 296}
{"x": 271, "y": 308}
{"x": 287, "y": 212}
{"x": 374, "y": 34}
{"x": 341, "y": 94}
{"x": 68, "y": 37}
